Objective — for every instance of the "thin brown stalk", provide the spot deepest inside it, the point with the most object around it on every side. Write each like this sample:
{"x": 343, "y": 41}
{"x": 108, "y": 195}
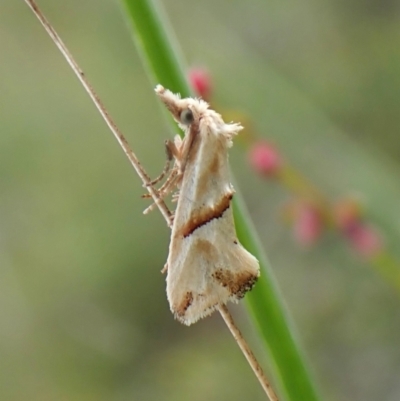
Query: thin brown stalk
{"x": 247, "y": 352}
{"x": 102, "y": 110}
{"x": 147, "y": 183}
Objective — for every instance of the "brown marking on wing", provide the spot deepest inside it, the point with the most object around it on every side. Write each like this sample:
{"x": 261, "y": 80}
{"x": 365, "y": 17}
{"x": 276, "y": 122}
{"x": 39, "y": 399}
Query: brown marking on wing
{"x": 204, "y": 215}
{"x": 206, "y": 249}
{"x": 189, "y": 147}
{"x": 215, "y": 165}
{"x": 212, "y": 171}
{"x": 195, "y": 143}
{"x": 237, "y": 284}
{"x": 181, "y": 309}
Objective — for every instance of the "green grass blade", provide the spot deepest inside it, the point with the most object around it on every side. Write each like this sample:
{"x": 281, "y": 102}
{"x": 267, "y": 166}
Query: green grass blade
{"x": 272, "y": 320}
{"x": 159, "y": 52}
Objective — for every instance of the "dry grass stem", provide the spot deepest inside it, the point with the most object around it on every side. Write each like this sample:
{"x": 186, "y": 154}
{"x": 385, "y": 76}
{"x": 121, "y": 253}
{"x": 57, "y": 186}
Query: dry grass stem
{"x": 102, "y": 110}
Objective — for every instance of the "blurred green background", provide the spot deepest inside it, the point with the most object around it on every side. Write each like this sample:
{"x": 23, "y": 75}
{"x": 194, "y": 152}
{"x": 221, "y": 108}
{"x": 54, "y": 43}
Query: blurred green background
{"x": 83, "y": 311}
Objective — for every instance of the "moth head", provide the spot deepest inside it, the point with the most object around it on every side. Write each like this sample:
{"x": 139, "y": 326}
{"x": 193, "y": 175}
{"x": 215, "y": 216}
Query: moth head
{"x": 185, "y": 111}
{"x": 189, "y": 111}
{"x": 186, "y": 116}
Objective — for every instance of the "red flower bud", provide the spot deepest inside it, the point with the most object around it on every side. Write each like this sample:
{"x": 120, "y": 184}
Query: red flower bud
{"x": 200, "y": 81}
{"x": 308, "y": 224}
{"x": 264, "y": 158}
{"x": 365, "y": 239}
{"x": 346, "y": 213}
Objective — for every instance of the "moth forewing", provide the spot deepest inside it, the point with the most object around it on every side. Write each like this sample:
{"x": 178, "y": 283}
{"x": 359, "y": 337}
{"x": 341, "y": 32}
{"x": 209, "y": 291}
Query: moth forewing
{"x": 206, "y": 266}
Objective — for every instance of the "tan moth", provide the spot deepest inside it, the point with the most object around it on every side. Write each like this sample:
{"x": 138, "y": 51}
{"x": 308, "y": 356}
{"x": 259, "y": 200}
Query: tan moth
{"x": 206, "y": 266}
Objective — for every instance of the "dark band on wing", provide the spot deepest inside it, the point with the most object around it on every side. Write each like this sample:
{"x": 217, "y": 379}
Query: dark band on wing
{"x": 201, "y": 217}
{"x": 237, "y": 283}
{"x": 181, "y": 309}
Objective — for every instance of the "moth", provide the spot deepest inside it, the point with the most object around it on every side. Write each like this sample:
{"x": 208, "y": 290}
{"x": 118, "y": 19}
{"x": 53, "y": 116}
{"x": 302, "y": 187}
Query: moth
{"x": 206, "y": 266}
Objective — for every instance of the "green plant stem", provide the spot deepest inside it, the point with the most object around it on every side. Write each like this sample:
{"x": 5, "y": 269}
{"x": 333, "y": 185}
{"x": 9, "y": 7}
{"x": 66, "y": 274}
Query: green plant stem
{"x": 159, "y": 49}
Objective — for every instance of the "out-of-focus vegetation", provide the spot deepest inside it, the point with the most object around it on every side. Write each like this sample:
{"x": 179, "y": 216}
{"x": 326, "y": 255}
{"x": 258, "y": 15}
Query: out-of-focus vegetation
{"x": 83, "y": 312}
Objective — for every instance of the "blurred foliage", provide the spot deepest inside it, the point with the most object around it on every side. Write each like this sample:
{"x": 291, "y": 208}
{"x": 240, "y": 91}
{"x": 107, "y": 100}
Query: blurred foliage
{"x": 84, "y": 315}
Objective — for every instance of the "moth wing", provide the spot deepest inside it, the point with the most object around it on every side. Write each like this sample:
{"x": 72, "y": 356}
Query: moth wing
{"x": 207, "y": 266}
{"x": 211, "y": 269}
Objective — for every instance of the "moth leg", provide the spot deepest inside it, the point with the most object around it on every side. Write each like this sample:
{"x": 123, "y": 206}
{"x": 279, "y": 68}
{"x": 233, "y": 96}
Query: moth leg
{"x": 172, "y": 151}
{"x": 150, "y": 208}
{"x": 175, "y": 196}
{"x": 164, "y": 269}
{"x": 166, "y": 167}
{"x": 185, "y": 145}
{"x": 167, "y": 187}
{"x": 178, "y": 142}
{"x": 170, "y": 183}
{"x": 175, "y": 148}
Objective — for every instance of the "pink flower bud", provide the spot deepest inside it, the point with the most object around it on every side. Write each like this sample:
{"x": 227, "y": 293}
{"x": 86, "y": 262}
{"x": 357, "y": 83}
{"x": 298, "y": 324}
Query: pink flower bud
{"x": 200, "y": 81}
{"x": 346, "y": 213}
{"x": 264, "y": 158}
{"x": 308, "y": 224}
{"x": 365, "y": 239}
